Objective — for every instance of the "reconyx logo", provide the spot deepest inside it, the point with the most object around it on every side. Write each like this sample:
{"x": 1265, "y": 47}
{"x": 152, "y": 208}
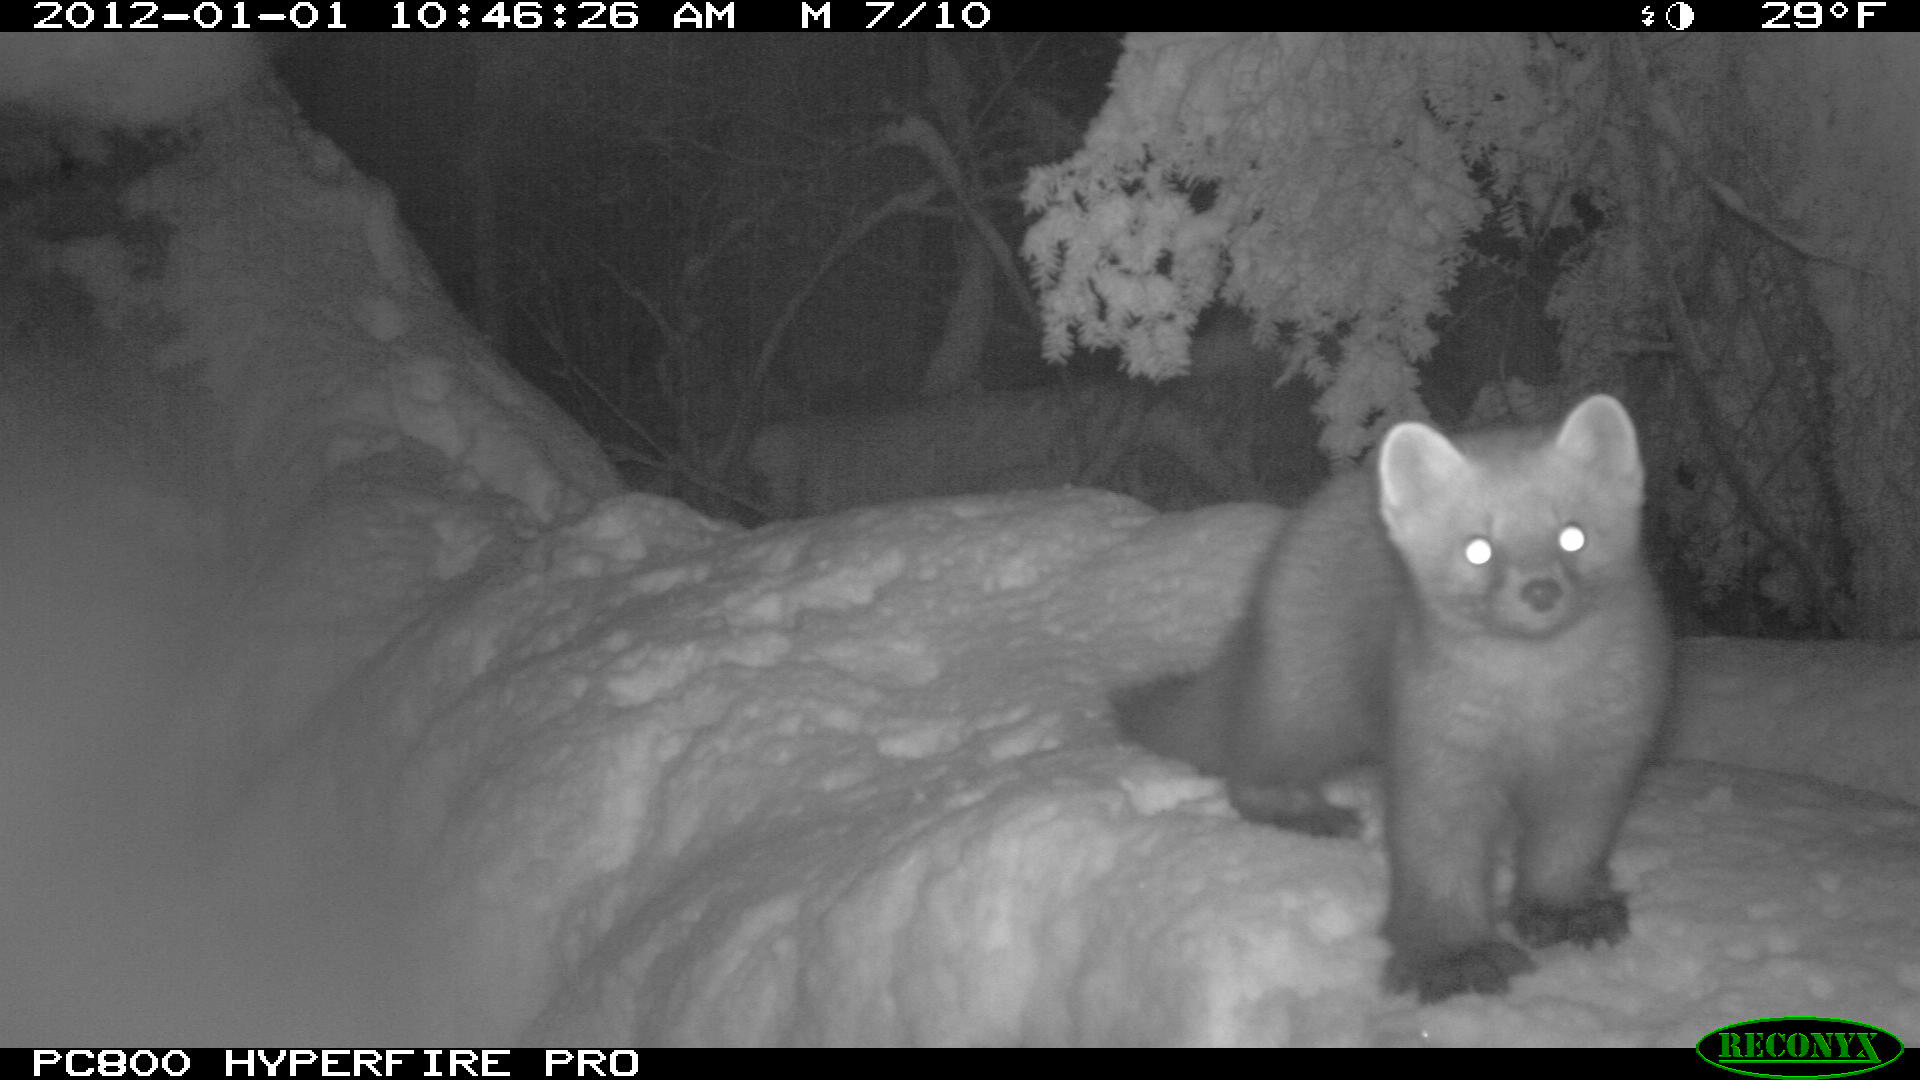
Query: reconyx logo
{"x": 1799, "y": 1047}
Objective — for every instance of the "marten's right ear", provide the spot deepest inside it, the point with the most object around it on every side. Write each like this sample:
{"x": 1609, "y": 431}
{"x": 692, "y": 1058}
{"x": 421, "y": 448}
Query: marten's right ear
{"x": 1418, "y": 470}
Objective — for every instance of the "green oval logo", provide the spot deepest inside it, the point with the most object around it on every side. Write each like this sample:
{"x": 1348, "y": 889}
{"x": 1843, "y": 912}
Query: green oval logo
{"x": 1799, "y": 1047}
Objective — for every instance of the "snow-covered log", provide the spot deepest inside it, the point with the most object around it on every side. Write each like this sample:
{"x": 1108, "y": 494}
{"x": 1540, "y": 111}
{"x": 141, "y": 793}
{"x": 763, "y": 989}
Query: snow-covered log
{"x": 1845, "y": 711}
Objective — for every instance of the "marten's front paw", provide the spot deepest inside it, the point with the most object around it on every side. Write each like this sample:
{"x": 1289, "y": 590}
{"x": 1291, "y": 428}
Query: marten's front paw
{"x": 1483, "y": 968}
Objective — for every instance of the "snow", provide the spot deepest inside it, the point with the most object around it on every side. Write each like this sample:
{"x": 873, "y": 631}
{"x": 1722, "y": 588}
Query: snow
{"x": 419, "y": 732}
{"x": 847, "y": 787}
{"x": 1841, "y": 710}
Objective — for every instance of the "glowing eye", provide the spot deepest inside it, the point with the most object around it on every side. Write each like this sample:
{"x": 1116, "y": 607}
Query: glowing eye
{"x": 1572, "y": 539}
{"x": 1479, "y": 552}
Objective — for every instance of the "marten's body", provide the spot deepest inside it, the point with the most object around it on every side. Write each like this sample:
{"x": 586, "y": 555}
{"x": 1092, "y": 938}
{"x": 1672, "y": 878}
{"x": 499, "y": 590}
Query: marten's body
{"x": 1476, "y": 614}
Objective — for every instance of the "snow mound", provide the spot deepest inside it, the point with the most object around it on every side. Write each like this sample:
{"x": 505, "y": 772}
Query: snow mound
{"x": 852, "y": 781}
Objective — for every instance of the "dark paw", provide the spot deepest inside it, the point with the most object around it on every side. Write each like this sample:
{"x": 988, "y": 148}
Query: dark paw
{"x": 1479, "y": 969}
{"x": 1298, "y": 809}
{"x": 1322, "y": 821}
{"x": 1601, "y": 919}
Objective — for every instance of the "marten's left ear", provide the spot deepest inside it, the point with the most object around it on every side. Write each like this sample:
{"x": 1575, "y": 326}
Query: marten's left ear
{"x": 1598, "y": 434}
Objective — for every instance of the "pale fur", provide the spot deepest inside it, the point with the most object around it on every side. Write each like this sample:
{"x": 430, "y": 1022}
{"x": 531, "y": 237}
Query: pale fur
{"x": 1525, "y": 692}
